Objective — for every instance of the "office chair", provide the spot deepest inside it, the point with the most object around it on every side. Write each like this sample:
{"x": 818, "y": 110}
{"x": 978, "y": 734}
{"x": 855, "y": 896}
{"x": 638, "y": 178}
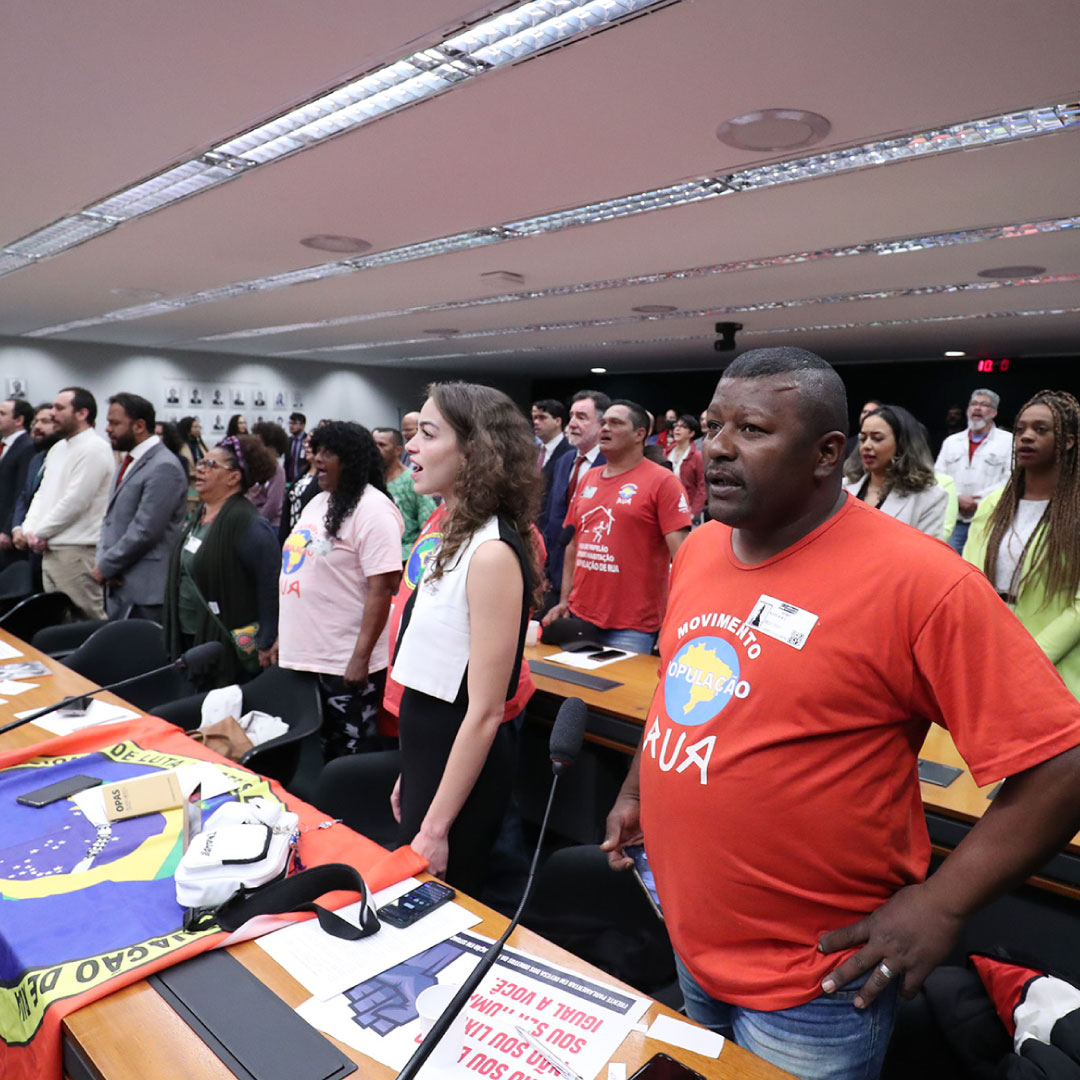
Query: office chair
{"x": 356, "y": 788}
{"x": 16, "y": 583}
{"x": 292, "y": 695}
{"x": 61, "y": 641}
{"x": 36, "y": 612}
{"x": 120, "y": 650}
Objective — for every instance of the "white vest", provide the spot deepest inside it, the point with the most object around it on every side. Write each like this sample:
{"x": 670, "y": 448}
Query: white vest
{"x": 434, "y": 651}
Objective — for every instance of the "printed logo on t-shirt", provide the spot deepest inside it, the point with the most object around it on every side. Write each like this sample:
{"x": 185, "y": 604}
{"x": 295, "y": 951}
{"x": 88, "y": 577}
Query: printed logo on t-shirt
{"x": 422, "y": 552}
{"x": 626, "y": 493}
{"x": 295, "y": 550}
{"x": 684, "y": 506}
{"x": 701, "y": 679}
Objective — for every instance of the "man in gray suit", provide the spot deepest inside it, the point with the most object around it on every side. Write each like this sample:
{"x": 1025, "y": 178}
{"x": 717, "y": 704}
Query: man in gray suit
{"x": 144, "y": 516}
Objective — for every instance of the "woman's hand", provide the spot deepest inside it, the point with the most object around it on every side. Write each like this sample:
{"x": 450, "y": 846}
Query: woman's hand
{"x": 356, "y": 673}
{"x": 268, "y": 657}
{"x": 395, "y": 800}
{"x": 436, "y": 851}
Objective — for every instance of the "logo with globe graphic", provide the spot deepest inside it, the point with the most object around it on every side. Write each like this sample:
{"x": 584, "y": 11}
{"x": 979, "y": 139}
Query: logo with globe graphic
{"x": 420, "y": 556}
{"x": 294, "y": 550}
{"x": 700, "y": 680}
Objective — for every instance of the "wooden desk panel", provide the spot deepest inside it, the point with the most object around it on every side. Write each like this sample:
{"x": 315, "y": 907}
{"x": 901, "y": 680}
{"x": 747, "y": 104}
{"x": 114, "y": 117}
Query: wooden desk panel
{"x": 133, "y": 1034}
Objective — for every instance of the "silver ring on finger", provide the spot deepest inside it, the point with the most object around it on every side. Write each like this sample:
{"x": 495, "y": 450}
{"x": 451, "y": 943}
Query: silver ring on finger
{"x": 886, "y": 971}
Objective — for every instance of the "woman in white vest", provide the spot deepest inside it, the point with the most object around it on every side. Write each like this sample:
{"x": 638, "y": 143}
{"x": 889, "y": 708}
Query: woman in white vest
{"x": 895, "y": 471}
{"x": 463, "y": 630}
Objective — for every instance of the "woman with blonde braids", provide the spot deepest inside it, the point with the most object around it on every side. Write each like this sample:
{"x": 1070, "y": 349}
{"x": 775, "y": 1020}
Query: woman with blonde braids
{"x": 1026, "y": 535}
{"x": 469, "y": 586}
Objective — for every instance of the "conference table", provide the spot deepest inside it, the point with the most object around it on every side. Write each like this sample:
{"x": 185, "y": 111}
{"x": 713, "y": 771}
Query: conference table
{"x": 133, "y": 1034}
{"x": 616, "y": 717}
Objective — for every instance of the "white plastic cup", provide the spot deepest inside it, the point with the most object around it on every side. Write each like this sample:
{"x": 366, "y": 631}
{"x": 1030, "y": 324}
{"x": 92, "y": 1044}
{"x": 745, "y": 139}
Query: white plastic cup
{"x": 431, "y": 1004}
{"x": 532, "y": 632}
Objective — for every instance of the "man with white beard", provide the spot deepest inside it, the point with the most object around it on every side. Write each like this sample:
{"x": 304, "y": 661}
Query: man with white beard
{"x": 978, "y": 459}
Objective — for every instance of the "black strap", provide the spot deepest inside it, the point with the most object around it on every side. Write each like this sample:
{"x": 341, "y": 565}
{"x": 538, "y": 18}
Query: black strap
{"x": 295, "y": 893}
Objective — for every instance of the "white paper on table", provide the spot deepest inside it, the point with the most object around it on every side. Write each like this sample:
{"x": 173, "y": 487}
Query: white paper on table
{"x": 207, "y": 776}
{"x": 582, "y": 1021}
{"x": 687, "y": 1036}
{"x": 100, "y": 712}
{"x": 8, "y": 652}
{"x": 580, "y": 660}
{"x": 12, "y": 687}
{"x": 326, "y": 966}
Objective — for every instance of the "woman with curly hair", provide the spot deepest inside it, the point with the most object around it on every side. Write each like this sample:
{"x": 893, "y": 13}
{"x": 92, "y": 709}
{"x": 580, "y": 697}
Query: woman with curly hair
{"x": 1026, "y": 536}
{"x": 221, "y": 584}
{"x": 468, "y": 587}
{"x": 895, "y": 471}
{"x": 340, "y": 568}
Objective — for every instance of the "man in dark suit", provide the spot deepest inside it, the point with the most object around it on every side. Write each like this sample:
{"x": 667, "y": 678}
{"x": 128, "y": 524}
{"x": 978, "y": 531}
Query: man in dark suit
{"x": 16, "y": 450}
{"x": 296, "y": 464}
{"x": 144, "y": 514}
{"x": 587, "y": 408}
{"x": 548, "y": 417}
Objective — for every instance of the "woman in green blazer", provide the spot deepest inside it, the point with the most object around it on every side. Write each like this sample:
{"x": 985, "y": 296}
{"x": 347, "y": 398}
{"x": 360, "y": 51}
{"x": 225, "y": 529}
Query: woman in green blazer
{"x": 1026, "y": 536}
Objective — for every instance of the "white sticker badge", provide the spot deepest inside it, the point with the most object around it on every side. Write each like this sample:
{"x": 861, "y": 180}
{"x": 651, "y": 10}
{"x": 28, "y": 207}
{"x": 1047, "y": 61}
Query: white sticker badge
{"x": 782, "y": 621}
{"x": 193, "y": 544}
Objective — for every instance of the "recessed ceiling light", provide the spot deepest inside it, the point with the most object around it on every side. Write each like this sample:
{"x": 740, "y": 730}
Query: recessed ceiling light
{"x": 1021, "y": 271}
{"x": 442, "y": 331}
{"x": 654, "y": 309}
{"x": 598, "y": 370}
{"x": 774, "y": 129}
{"x": 346, "y": 245}
{"x": 955, "y": 352}
{"x": 136, "y": 294}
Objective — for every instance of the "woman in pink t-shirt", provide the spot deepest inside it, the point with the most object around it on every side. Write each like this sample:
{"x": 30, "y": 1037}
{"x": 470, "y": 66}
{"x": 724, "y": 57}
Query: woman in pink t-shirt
{"x": 340, "y": 568}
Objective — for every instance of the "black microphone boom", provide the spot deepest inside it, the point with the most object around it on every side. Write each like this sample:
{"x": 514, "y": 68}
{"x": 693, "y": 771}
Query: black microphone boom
{"x": 567, "y": 735}
{"x": 198, "y": 660}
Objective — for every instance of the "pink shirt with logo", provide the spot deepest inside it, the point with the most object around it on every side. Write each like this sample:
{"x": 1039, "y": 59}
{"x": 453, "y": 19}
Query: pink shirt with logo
{"x": 324, "y": 585}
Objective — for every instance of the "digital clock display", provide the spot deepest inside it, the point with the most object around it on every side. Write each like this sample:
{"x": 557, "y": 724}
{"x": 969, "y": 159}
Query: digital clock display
{"x": 988, "y": 366}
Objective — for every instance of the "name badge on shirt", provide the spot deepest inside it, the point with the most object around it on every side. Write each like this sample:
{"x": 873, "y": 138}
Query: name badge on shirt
{"x": 214, "y": 606}
{"x": 589, "y": 492}
{"x": 193, "y": 544}
{"x": 782, "y": 621}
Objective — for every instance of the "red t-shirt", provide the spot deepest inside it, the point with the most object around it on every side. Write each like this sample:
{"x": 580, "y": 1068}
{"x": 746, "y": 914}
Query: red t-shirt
{"x": 794, "y": 697}
{"x": 621, "y": 574}
{"x": 427, "y": 543}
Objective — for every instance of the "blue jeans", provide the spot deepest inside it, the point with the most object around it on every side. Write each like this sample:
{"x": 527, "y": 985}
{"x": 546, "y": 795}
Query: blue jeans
{"x": 958, "y": 537}
{"x": 825, "y": 1039}
{"x": 631, "y": 640}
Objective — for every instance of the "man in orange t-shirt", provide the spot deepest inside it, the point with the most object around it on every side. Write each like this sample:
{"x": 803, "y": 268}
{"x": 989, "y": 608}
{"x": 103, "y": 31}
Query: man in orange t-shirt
{"x": 809, "y": 642}
{"x": 629, "y": 517}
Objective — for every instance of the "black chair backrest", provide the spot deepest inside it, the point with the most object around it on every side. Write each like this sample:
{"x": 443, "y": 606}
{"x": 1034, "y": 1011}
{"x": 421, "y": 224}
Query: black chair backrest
{"x": 16, "y": 581}
{"x": 63, "y": 640}
{"x": 36, "y": 612}
{"x": 357, "y": 788}
{"x": 292, "y": 695}
{"x": 123, "y": 649}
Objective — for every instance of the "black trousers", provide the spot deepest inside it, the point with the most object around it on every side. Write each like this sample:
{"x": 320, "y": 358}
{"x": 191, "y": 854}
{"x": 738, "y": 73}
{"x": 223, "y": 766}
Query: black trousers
{"x": 427, "y": 729}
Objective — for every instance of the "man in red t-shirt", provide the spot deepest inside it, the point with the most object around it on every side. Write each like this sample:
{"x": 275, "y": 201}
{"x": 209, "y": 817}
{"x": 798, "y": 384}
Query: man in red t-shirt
{"x": 809, "y": 642}
{"x": 629, "y": 518}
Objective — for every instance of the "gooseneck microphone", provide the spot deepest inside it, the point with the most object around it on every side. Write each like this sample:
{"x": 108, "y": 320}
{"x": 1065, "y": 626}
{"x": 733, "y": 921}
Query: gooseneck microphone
{"x": 198, "y": 660}
{"x": 567, "y": 735}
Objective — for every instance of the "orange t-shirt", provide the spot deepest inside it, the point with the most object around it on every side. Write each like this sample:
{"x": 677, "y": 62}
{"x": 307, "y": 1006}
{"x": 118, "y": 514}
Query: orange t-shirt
{"x": 621, "y": 573}
{"x": 427, "y": 543}
{"x": 795, "y": 694}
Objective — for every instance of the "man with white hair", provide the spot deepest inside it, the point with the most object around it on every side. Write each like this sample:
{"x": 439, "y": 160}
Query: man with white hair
{"x": 978, "y": 459}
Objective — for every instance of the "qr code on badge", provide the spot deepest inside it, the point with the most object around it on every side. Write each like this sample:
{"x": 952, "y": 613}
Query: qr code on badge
{"x": 796, "y": 639}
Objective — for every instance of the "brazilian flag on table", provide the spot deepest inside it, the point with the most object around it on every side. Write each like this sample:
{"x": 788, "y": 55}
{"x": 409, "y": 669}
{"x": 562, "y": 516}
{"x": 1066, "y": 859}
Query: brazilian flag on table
{"x": 85, "y": 911}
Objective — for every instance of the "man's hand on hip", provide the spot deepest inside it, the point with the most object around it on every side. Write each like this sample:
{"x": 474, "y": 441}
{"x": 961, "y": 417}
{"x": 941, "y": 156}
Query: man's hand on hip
{"x": 906, "y": 938}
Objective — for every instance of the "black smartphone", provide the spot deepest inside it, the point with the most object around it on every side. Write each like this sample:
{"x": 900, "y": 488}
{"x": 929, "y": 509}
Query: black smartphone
{"x": 643, "y": 872}
{"x": 60, "y": 790}
{"x": 607, "y": 654}
{"x": 416, "y": 903}
{"x": 933, "y": 772}
{"x": 662, "y": 1067}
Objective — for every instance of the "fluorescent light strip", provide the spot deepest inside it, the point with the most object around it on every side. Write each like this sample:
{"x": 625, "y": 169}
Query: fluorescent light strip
{"x": 734, "y": 309}
{"x": 988, "y": 131}
{"x": 541, "y": 350}
{"x": 504, "y": 39}
{"x": 877, "y": 247}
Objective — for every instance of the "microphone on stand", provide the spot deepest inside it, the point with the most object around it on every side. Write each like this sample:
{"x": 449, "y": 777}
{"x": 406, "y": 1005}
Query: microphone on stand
{"x": 567, "y": 735}
{"x": 198, "y": 660}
